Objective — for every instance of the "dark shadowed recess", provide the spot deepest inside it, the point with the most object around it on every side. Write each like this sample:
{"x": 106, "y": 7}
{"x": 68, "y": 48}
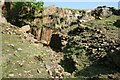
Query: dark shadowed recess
{"x": 68, "y": 64}
{"x": 55, "y": 42}
{"x": 117, "y": 23}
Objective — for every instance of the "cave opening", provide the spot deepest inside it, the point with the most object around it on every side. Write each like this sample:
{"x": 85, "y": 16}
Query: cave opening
{"x": 56, "y": 43}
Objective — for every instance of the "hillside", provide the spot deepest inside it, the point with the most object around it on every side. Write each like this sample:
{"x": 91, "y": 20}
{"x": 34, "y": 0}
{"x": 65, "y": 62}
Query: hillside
{"x": 62, "y": 43}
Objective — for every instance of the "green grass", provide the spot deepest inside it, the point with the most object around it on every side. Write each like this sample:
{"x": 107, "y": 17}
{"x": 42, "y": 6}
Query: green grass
{"x": 104, "y": 22}
{"x": 12, "y": 58}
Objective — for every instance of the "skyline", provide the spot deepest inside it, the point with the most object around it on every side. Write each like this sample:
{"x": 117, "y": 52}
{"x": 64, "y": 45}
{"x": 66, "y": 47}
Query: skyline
{"x": 79, "y": 0}
{"x": 82, "y": 5}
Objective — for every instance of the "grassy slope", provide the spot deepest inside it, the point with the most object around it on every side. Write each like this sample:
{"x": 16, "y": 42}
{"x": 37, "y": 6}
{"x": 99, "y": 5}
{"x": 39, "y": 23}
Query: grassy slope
{"x": 27, "y": 62}
{"x": 22, "y": 63}
{"x": 12, "y": 58}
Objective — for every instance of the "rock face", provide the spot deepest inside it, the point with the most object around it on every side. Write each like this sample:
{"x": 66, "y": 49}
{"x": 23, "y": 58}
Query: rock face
{"x": 58, "y": 19}
{"x": 45, "y": 36}
{"x": 55, "y": 20}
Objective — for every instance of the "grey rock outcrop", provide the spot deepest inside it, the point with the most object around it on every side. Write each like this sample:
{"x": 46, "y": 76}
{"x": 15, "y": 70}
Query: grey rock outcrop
{"x": 102, "y": 11}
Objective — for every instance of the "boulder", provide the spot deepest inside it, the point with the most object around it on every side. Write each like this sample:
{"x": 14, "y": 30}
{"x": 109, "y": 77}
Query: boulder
{"x": 25, "y": 28}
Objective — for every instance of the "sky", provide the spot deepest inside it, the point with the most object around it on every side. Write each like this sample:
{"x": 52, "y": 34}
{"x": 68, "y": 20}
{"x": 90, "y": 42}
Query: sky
{"x": 82, "y": 5}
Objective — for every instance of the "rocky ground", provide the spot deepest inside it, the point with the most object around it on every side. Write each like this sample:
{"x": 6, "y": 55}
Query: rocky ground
{"x": 83, "y": 44}
{"x": 93, "y": 47}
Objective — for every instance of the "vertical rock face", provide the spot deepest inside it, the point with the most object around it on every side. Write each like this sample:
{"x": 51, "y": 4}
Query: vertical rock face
{"x": 44, "y": 35}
